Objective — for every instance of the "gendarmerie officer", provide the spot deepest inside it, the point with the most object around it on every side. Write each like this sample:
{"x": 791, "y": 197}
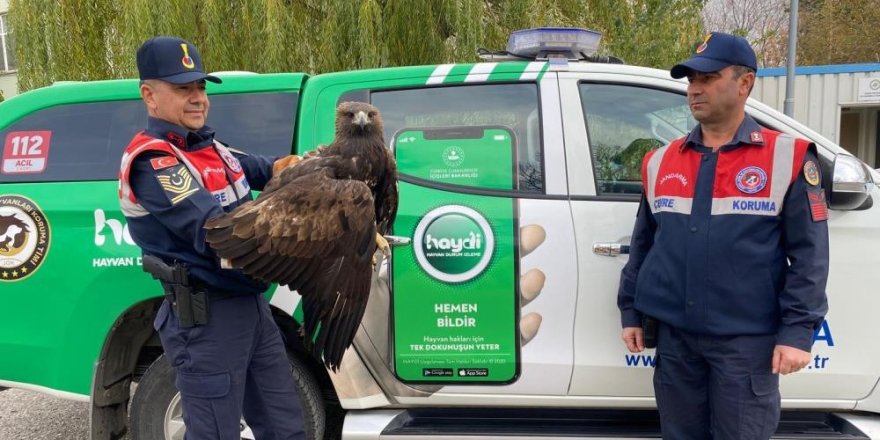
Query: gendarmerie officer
{"x": 729, "y": 255}
{"x": 215, "y": 325}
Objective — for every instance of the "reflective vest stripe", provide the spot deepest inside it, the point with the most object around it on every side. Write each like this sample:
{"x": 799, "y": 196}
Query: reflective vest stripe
{"x": 679, "y": 205}
{"x": 781, "y": 178}
{"x": 125, "y": 168}
{"x": 128, "y": 202}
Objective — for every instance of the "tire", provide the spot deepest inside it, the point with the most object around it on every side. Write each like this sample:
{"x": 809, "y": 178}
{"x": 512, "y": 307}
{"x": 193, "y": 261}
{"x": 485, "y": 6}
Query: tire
{"x": 156, "y": 411}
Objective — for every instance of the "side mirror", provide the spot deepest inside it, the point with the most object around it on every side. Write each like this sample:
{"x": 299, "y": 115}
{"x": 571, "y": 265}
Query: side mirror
{"x": 850, "y": 184}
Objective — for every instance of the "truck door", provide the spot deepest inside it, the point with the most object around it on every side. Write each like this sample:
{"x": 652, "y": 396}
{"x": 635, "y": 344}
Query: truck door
{"x": 610, "y": 124}
{"x": 609, "y": 127}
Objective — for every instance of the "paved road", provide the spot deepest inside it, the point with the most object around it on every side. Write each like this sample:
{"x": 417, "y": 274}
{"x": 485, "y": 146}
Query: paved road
{"x": 28, "y": 415}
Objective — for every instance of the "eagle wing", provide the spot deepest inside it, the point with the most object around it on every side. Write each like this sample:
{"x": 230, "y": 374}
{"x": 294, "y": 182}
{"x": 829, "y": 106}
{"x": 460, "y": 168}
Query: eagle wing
{"x": 387, "y": 195}
{"x": 315, "y": 234}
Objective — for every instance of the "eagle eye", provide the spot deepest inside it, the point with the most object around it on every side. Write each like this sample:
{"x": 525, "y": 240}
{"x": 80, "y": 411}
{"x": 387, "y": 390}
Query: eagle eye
{"x": 371, "y": 114}
{"x": 349, "y": 114}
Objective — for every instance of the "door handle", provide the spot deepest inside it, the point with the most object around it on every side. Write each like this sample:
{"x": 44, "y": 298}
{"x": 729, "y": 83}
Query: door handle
{"x": 610, "y": 249}
{"x": 396, "y": 240}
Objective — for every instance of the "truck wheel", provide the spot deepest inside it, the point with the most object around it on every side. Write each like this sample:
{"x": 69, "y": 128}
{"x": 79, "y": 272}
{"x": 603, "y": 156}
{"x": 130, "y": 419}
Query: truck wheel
{"x": 156, "y": 410}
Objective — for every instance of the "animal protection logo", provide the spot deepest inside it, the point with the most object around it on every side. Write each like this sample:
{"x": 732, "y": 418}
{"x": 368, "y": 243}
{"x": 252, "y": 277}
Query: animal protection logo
{"x": 24, "y": 237}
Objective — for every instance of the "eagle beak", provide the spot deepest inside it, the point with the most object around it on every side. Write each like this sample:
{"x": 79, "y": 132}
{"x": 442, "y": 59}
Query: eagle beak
{"x": 361, "y": 119}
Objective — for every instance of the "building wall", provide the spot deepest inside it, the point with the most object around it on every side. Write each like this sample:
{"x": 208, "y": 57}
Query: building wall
{"x": 826, "y": 99}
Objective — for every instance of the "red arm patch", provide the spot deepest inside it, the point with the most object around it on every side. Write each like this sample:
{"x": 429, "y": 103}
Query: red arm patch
{"x": 818, "y": 207}
{"x": 163, "y": 162}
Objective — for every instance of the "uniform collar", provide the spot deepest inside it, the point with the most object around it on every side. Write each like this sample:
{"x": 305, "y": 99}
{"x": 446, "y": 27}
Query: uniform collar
{"x": 179, "y": 136}
{"x": 748, "y": 133}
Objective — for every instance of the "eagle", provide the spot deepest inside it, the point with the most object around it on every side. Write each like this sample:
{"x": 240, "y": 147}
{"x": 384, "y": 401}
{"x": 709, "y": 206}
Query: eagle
{"x": 316, "y": 228}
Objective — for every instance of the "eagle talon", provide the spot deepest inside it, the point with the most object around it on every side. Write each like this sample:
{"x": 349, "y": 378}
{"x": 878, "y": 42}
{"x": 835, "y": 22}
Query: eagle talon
{"x": 382, "y": 243}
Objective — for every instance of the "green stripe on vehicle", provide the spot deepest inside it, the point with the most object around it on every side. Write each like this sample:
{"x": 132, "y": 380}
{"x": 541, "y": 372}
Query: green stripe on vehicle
{"x": 480, "y": 72}
{"x": 534, "y": 71}
{"x": 458, "y": 73}
{"x": 439, "y": 74}
{"x": 487, "y": 72}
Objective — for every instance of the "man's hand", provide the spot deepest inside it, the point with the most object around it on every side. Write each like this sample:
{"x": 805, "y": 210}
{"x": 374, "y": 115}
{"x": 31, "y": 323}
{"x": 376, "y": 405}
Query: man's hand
{"x": 789, "y": 359}
{"x": 634, "y": 338}
{"x": 284, "y": 162}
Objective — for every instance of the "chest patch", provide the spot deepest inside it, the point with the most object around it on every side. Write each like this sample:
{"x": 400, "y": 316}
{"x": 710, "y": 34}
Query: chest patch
{"x": 751, "y": 179}
{"x": 230, "y": 160}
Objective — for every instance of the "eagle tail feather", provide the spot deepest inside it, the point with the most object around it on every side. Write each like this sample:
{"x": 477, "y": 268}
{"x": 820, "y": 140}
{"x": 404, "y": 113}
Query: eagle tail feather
{"x": 347, "y": 318}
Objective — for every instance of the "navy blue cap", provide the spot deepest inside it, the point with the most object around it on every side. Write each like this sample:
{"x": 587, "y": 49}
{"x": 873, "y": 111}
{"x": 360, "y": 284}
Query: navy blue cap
{"x": 171, "y": 59}
{"x": 718, "y": 51}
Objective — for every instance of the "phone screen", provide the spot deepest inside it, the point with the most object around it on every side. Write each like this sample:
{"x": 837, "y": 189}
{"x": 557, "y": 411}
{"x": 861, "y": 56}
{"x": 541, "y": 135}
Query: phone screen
{"x": 455, "y": 301}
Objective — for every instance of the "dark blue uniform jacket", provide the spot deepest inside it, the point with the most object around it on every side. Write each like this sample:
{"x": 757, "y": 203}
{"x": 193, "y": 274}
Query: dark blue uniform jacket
{"x": 721, "y": 248}
{"x": 174, "y": 231}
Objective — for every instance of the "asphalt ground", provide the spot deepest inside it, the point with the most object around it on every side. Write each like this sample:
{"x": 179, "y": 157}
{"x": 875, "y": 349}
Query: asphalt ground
{"x": 29, "y": 415}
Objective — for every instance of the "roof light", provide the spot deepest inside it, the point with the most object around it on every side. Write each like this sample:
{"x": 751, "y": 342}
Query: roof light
{"x": 572, "y": 43}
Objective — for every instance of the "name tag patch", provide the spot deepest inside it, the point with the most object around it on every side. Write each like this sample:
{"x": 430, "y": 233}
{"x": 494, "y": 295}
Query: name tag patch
{"x": 754, "y": 205}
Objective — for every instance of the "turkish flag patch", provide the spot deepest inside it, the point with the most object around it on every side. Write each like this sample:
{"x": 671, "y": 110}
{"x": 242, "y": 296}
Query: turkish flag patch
{"x": 818, "y": 207}
{"x": 163, "y": 162}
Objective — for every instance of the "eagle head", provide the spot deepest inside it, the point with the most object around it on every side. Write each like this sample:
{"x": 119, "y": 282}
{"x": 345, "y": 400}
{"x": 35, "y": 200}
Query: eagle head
{"x": 357, "y": 119}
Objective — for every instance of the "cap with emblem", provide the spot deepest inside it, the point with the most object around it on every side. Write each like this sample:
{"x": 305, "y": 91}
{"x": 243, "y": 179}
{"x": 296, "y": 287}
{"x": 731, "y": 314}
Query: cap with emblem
{"x": 171, "y": 59}
{"x": 717, "y": 51}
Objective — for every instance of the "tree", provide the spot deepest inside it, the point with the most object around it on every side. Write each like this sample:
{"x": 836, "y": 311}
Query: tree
{"x": 96, "y": 39}
{"x": 764, "y": 23}
{"x": 656, "y": 33}
{"x": 836, "y": 32}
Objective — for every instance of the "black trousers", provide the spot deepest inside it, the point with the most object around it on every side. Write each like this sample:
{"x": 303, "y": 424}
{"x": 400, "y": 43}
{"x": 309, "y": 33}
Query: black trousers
{"x": 235, "y": 365}
{"x": 715, "y": 387}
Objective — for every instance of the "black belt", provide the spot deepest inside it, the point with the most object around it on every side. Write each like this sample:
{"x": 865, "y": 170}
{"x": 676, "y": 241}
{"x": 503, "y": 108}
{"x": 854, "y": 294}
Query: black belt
{"x": 212, "y": 292}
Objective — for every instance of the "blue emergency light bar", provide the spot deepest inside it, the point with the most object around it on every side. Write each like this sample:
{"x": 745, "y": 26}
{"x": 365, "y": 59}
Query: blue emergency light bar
{"x": 572, "y": 43}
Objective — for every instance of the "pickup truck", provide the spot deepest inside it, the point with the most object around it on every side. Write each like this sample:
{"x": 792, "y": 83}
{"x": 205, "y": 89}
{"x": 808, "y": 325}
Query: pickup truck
{"x": 495, "y": 315}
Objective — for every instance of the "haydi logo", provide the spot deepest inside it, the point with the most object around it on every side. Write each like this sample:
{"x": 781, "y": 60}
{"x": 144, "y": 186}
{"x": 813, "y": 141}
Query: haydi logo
{"x": 454, "y": 243}
{"x": 118, "y": 230}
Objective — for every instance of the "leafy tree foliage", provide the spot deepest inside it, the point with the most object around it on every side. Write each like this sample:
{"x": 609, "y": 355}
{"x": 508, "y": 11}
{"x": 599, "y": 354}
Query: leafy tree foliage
{"x": 838, "y": 32}
{"x": 96, "y": 39}
{"x": 764, "y": 23}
